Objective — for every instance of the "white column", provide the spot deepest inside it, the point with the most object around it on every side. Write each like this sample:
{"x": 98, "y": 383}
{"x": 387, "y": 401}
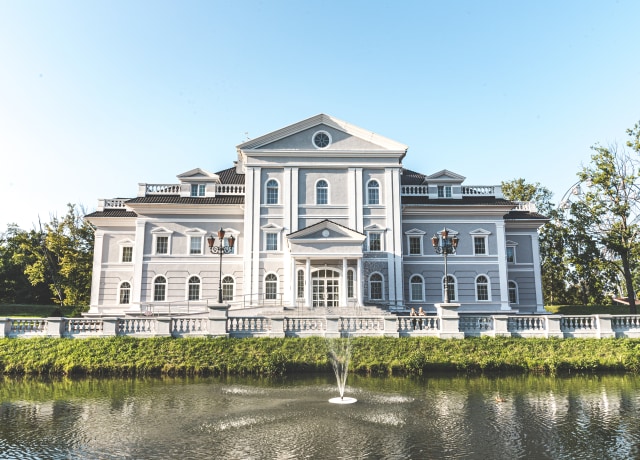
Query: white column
{"x": 358, "y": 200}
{"x": 257, "y": 248}
{"x": 138, "y": 257}
{"x": 288, "y": 202}
{"x": 97, "y": 271}
{"x": 359, "y": 283}
{"x": 537, "y": 273}
{"x": 343, "y": 288}
{"x": 307, "y": 282}
{"x": 502, "y": 266}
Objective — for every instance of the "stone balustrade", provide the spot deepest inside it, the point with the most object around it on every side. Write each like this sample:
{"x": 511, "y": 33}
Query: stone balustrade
{"x": 219, "y": 323}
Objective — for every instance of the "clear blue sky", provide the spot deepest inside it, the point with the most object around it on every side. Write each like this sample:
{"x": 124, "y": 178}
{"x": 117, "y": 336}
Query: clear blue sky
{"x": 97, "y": 96}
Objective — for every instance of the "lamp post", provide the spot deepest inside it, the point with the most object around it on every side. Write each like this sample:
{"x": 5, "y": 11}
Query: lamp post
{"x": 445, "y": 246}
{"x": 220, "y": 249}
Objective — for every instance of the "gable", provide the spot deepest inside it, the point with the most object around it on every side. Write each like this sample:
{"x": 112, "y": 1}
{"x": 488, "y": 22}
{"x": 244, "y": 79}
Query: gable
{"x": 197, "y": 174}
{"x": 445, "y": 176}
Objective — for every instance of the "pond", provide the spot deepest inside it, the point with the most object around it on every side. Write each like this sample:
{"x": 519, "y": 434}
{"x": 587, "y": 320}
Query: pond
{"x": 433, "y": 417}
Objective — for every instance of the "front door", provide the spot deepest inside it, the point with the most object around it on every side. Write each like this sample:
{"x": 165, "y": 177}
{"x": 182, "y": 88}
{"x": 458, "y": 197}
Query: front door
{"x": 326, "y": 288}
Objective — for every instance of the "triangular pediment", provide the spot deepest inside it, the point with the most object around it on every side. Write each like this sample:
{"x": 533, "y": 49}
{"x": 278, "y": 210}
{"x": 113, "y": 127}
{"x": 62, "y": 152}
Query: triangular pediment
{"x": 445, "y": 176}
{"x": 326, "y": 230}
{"x": 198, "y": 174}
{"x": 341, "y": 136}
{"x": 414, "y": 231}
{"x": 480, "y": 232}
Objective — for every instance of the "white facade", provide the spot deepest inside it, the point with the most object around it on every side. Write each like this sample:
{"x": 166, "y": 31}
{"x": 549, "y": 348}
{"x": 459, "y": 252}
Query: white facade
{"x": 323, "y": 215}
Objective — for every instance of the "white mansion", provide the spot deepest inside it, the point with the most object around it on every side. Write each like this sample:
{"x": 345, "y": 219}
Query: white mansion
{"x": 317, "y": 214}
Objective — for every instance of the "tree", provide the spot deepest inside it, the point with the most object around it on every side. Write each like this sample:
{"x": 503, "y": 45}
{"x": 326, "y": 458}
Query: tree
{"x": 610, "y": 208}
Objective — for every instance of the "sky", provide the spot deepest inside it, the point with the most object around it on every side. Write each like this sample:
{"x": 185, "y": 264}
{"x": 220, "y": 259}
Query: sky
{"x": 98, "y": 96}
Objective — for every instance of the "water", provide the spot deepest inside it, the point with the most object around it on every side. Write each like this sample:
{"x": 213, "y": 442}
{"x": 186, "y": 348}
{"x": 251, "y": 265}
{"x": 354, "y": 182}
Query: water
{"x": 394, "y": 418}
{"x": 340, "y": 357}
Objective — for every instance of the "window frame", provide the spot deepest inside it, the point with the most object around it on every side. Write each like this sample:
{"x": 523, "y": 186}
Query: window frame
{"x": 453, "y": 290}
{"x": 269, "y": 238}
{"x": 412, "y": 286}
{"x": 324, "y": 196}
{"x": 513, "y": 258}
{"x": 373, "y": 185}
{"x": 444, "y": 191}
{"x": 485, "y": 286}
{"x": 376, "y": 282}
{"x": 270, "y": 283}
{"x": 198, "y": 190}
{"x": 371, "y": 241}
{"x": 228, "y": 286}
{"x": 351, "y": 283}
{"x": 121, "y": 290}
{"x": 485, "y": 244}
{"x": 269, "y": 192}
{"x": 512, "y": 286}
{"x": 410, "y": 239}
{"x": 190, "y": 290}
{"x": 126, "y": 248}
{"x": 156, "y": 285}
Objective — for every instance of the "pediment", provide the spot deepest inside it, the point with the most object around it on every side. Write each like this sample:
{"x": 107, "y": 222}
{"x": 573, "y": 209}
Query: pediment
{"x": 326, "y": 230}
{"x": 343, "y": 137}
{"x": 480, "y": 231}
{"x": 445, "y": 176}
{"x": 415, "y": 231}
{"x": 198, "y": 174}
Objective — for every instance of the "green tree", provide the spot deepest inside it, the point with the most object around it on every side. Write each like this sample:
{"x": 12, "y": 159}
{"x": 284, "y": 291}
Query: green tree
{"x": 610, "y": 208}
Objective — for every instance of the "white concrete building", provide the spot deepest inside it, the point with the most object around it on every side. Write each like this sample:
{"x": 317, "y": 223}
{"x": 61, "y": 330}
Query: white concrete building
{"x": 323, "y": 215}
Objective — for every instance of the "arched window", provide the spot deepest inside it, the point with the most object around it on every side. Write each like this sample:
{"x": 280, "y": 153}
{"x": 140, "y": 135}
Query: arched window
{"x": 351, "y": 284}
{"x": 194, "y": 288}
{"x": 272, "y": 191}
{"x": 300, "y": 285}
{"x": 271, "y": 287}
{"x": 450, "y": 285}
{"x": 375, "y": 287}
{"x": 160, "y": 289}
{"x": 227, "y": 288}
{"x": 322, "y": 192}
{"x": 125, "y": 292}
{"x": 513, "y": 292}
{"x": 416, "y": 287}
{"x": 373, "y": 192}
{"x": 482, "y": 288}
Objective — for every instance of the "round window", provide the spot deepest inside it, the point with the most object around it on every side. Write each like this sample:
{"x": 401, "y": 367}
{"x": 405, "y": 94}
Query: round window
{"x": 321, "y": 139}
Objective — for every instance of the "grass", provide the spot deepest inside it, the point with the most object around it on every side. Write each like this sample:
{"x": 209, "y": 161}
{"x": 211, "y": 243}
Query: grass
{"x": 28, "y": 310}
{"x": 588, "y": 309}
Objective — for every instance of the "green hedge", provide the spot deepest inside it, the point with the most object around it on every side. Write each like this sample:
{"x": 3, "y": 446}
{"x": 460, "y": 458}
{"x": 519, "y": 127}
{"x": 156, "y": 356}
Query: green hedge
{"x": 125, "y": 356}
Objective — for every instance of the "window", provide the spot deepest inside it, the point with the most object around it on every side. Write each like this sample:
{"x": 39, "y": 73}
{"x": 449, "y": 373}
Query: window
{"x": 511, "y": 254}
{"x": 375, "y": 242}
{"x": 127, "y": 254}
{"x": 375, "y": 287}
{"x": 271, "y": 287}
{"x": 480, "y": 245}
{"x": 444, "y": 191}
{"x": 450, "y": 286}
{"x": 351, "y": 285}
{"x": 373, "y": 192}
{"x": 322, "y": 192}
{"x": 195, "y": 245}
{"x": 300, "y": 285}
{"x": 272, "y": 191}
{"x": 415, "y": 245}
{"x": 416, "y": 288}
{"x": 226, "y": 244}
{"x": 482, "y": 288}
{"x": 162, "y": 245}
{"x": 513, "y": 292}
{"x": 197, "y": 189}
{"x": 227, "y": 288}
{"x": 271, "y": 243}
{"x": 160, "y": 289}
{"x": 321, "y": 139}
{"x": 125, "y": 292}
{"x": 194, "y": 288}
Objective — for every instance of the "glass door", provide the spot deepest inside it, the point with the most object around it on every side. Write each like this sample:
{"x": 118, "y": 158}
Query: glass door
{"x": 326, "y": 288}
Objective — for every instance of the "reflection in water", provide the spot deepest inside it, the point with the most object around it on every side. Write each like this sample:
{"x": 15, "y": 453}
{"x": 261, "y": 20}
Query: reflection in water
{"x": 234, "y": 418}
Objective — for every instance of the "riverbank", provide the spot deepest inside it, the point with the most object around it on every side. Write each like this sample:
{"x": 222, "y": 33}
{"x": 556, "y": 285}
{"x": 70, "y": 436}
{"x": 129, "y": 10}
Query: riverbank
{"x": 126, "y": 356}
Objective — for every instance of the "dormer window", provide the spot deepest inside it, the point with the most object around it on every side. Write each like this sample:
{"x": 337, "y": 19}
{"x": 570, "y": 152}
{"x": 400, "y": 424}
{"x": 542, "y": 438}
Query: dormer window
{"x": 197, "y": 189}
{"x": 444, "y": 191}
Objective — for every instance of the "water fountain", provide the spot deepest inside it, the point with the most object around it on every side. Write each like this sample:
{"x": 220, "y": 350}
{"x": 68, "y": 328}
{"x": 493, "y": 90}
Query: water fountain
{"x": 340, "y": 356}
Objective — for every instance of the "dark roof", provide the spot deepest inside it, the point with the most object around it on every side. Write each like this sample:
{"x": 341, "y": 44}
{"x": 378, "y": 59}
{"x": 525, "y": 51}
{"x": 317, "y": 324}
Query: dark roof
{"x": 230, "y": 176}
{"x": 167, "y": 199}
{"x": 522, "y": 215}
{"x": 469, "y": 200}
{"x": 112, "y": 213}
{"x": 411, "y": 177}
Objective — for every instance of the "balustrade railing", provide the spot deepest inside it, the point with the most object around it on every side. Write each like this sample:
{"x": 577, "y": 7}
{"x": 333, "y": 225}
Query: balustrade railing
{"x": 217, "y": 323}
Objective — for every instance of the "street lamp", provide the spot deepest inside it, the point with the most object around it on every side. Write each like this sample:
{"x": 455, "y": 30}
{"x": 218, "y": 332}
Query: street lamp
{"x": 220, "y": 249}
{"x": 445, "y": 246}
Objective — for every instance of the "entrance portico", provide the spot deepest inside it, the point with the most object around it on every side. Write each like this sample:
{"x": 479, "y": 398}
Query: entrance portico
{"x": 327, "y": 264}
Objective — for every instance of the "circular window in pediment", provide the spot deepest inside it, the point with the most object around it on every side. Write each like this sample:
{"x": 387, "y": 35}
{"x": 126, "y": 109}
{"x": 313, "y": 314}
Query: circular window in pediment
{"x": 321, "y": 139}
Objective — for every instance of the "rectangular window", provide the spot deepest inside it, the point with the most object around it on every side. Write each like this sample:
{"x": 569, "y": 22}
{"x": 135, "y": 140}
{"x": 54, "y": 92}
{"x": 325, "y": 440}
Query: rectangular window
{"x": 197, "y": 189}
{"x": 375, "y": 242}
{"x": 511, "y": 254}
{"x": 300, "y": 289}
{"x": 444, "y": 191}
{"x": 194, "y": 291}
{"x": 127, "y": 254}
{"x": 162, "y": 245}
{"x": 479, "y": 245}
{"x": 159, "y": 292}
{"x": 195, "y": 245}
{"x": 272, "y": 242}
{"x": 415, "y": 248}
